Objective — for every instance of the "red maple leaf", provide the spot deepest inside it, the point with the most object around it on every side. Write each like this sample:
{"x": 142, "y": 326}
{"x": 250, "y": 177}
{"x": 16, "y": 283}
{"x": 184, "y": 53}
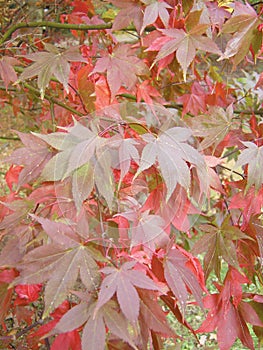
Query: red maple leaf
{"x": 130, "y": 12}
{"x": 7, "y": 71}
{"x": 229, "y": 314}
{"x": 123, "y": 281}
{"x": 195, "y": 101}
{"x": 250, "y": 203}
{"x": 146, "y": 92}
{"x": 122, "y": 68}
{"x": 27, "y": 293}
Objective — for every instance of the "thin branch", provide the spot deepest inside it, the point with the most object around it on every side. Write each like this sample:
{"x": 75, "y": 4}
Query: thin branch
{"x": 56, "y": 25}
{"x": 80, "y": 98}
{"x": 25, "y": 330}
{"x": 9, "y": 138}
{"x": 257, "y": 112}
{"x": 53, "y": 100}
{"x": 47, "y": 343}
{"x": 232, "y": 171}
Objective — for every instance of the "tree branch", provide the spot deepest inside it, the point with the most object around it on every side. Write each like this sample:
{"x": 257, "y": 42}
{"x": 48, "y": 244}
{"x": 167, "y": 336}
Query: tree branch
{"x": 9, "y": 138}
{"x": 53, "y": 100}
{"x": 57, "y": 25}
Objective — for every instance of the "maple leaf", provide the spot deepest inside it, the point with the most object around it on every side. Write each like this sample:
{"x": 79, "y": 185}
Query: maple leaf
{"x": 81, "y": 158}
{"x": 250, "y": 203}
{"x": 152, "y": 316}
{"x": 229, "y": 314}
{"x": 130, "y": 12}
{"x": 123, "y": 282}
{"x": 6, "y": 276}
{"x": 195, "y": 101}
{"x": 11, "y": 177}
{"x": 27, "y": 293}
{"x": 20, "y": 209}
{"x": 213, "y": 126}
{"x": 59, "y": 263}
{"x": 217, "y": 13}
{"x": 173, "y": 153}
{"x": 7, "y": 71}
{"x": 86, "y": 88}
{"x": 217, "y": 243}
{"x": 127, "y": 152}
{"x": 148, "y": 230}
{"x": 184, "y": 44}
{"x": 146, "y": 92}
{"x": 122, "y": 68}
{"x": 153, "y": 10}
{"x": 244, "y": 24}
{"x": 94, "y": 333}
{"x": 51, "y": 62}
{"x": 252, "y": 156}
{"x": 67, "y": 341}
{"x": 33, "y": 157}
{"x": 179, "y": 277}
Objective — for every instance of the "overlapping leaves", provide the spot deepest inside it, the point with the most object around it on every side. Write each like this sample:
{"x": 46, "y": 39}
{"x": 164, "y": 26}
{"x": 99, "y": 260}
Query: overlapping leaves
{"x": 183, "y": 44}
{"x": 59, "y": 263}
{"x": 123, "y": 282}
{"x": 172, "y": 152}
{"x": 218, "y": 243}
{"x": 51, "y": 62}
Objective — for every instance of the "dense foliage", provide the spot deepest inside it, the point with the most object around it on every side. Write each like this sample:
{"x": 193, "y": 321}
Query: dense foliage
{"x": 137, "y": 193}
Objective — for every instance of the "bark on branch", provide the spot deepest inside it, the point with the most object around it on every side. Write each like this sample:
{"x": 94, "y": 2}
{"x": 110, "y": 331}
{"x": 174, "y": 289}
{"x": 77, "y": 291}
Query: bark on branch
{"x": 57, "y": 25}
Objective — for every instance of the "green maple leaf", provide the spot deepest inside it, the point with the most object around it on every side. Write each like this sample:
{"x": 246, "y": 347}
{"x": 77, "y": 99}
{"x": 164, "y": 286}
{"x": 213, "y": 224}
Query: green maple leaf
{"x": 51, "y": 62}
{"x": 80, "y": 157}
{"x": 213, "y": 126}
{"x": 218, "y": 244}
{"x": 244, "y": 24}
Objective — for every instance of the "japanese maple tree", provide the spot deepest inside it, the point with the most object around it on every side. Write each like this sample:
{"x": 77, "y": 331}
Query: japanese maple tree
{"x": 136, "y": 192}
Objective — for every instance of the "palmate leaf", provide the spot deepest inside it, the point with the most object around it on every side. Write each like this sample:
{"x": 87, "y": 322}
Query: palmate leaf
{"x": 149, "y": 230}
{"x": 153, "y": 10}
{"x": 59, "y": 264}
{"x": 244, "y": 24}
{"x": 33, "y": 157}
{"x": 94, "y": 332}
{"x": 152, "y": 316}
{"x": 194, "y": 101}
{"x": 51, "y": 62}
{"x": 127, "y": 152}
{"x": 179, "y": 277}
{"x": 82, "y": 158}
{"x": 184, "y": 44}
{"x": 123, "y": 282}
{"x": 130, "y": 12}
{"x": 252, "y": 156}
{"x": 229, "y": 314}
{"x": 218, "y": 243}
{"x": 7, "y": 71}
{"x": 213, "y": 126}
{"x": 172, "y": 152}
{"x": 122, "y": 68}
